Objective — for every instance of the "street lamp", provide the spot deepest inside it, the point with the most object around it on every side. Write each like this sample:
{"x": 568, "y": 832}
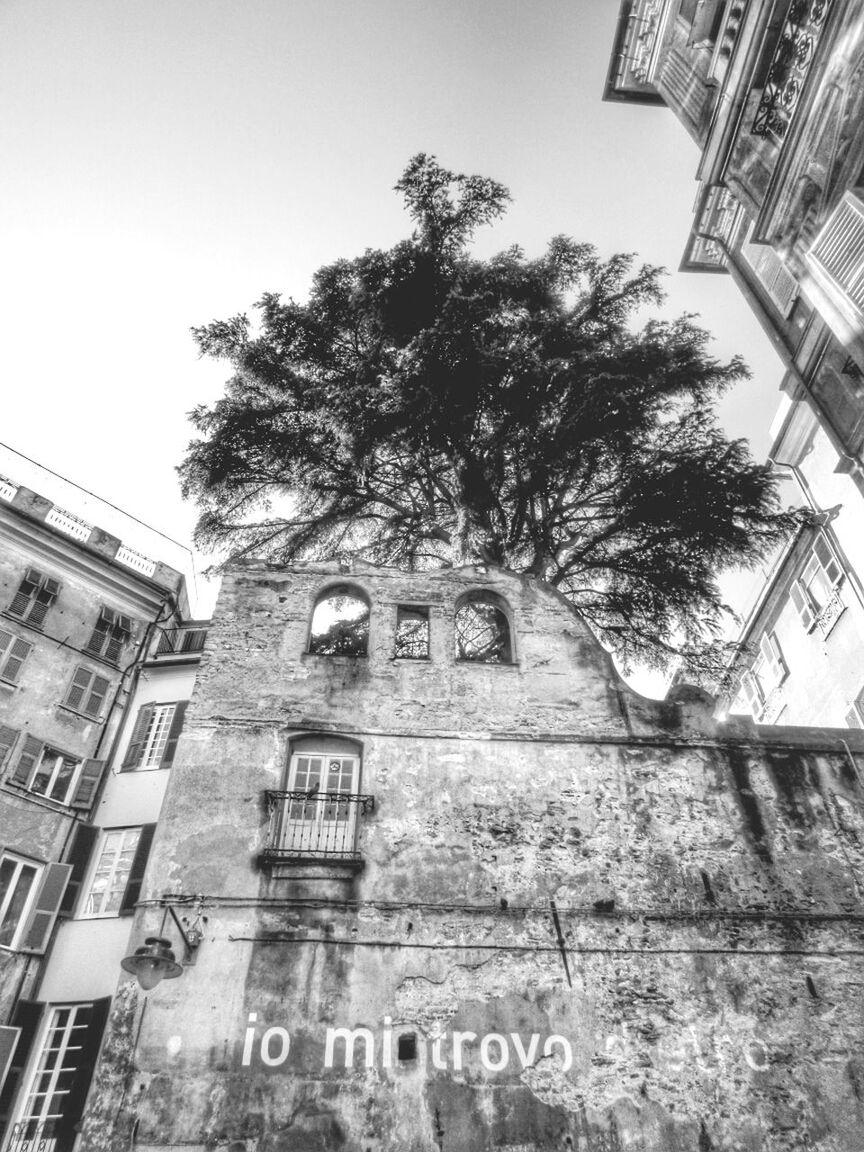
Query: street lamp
{"x": 155, "y": 961}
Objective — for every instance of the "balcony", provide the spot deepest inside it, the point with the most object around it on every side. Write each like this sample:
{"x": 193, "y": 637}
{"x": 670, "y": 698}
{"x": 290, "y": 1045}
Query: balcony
{"x": 830, "y": 614}
{"x": 314, "y": 828}
{"x": 186, "y": 641}
{"x": 790, "y": 67}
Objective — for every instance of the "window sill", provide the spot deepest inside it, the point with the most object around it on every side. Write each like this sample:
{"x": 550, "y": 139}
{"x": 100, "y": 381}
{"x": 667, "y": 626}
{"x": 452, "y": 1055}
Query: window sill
{"x": 62, "y": 806}
{"x": 287, "y": 866}
{"x": 80, "y": 715}
{"x": 20, "y": 620}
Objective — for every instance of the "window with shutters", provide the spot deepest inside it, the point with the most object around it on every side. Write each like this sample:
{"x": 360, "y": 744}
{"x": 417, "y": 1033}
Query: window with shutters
{"x": 47, "y": 772}
{"x": 779, "y": 283}
{"x": 112, "y": 871}
{"x": 761, "y": 683}
{"x": 154, "y": 737}
{"x": 815, "y": 593}
{"x": 112, "y": 633}
{"x": 839, "y": 251}
{"x": 13, "y": 652}
{"x": 36, "y": 593}
{"x": 18, "y": 886}
{"x": 57, "y": 1078}
{"x": 87, "y": 693}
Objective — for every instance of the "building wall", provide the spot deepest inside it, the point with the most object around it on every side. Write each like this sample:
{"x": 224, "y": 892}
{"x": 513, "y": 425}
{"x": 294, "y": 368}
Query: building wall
{"x": 630, "y": 913}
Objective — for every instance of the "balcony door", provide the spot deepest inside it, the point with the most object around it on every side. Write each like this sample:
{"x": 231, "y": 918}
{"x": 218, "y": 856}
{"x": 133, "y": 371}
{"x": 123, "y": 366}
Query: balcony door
{"x": 316, "y": 821}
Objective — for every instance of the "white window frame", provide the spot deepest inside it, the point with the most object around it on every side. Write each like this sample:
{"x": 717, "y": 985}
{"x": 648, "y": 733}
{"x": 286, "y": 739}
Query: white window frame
{"x": 25, "y": 1113}
{"x": 59, "y": 758}
{"x": 21, "y": 863}
{"x": 158, "y": 731}
{"x": 318, "y": 825}
{"x": 126, "y": 840}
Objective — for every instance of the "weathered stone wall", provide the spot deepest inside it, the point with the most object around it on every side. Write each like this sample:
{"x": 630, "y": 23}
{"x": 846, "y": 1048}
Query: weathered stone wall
{"x": 606, "y": 923}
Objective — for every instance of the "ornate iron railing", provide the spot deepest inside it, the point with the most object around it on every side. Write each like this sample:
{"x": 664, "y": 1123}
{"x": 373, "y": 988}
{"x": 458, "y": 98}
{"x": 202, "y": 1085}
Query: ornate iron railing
{"x": 789, "y": 67}
{"x": 830, "y": 614}
{"x": 314, "y": 826}
{"x": 33, "y": 1136}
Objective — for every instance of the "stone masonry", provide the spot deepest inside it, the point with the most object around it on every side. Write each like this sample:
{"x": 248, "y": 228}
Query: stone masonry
{"x": 580, "y": 919}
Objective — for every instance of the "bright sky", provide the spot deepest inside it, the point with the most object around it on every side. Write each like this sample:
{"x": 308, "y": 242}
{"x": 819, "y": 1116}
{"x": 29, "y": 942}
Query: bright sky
{"x": 165, "y": 163}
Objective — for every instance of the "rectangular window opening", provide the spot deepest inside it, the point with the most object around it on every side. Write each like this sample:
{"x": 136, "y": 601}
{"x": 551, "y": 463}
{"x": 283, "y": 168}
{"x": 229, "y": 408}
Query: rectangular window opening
{"x": 17, "y": 889}
{"x": 111, "y": 874}
{"x": 412, "y": 632}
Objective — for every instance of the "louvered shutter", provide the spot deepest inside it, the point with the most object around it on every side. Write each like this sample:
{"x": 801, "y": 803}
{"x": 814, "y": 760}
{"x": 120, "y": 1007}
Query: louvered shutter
{"x": 772, "y": 273}
{"x": 8, "y": 736}
{"x": 78, "y": 857}
{"x": 25, "y": 1021}
{"x": 80, "y": 684}
{"x": 99, "y": 636}
{"x": 26, "y": 590}
{"x": 139, "y": 734}
{"x": 96, "y": 696}
{"x": 28, "y": 759}
{"x": 88, "y": 782}
{"x": 174, "y": 733}
{"x": 136, "y": 873}
{"x": 802, "y": 604}
{"x": 85, "y": 1065}
{"x": 14, "y": 661}
{"x": 44, "y": 598}
{"x": 839, "y": 249}
{"x": 853, "y": 720}
{"x": 41, "y": 921}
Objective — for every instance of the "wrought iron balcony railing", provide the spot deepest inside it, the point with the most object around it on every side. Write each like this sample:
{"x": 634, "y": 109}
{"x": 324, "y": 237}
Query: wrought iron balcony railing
{"x": 319, "y": 826}
{"x": 37, "y": 1136}
{"x": 830, "y": 614}
{"x": 789, "y": 67}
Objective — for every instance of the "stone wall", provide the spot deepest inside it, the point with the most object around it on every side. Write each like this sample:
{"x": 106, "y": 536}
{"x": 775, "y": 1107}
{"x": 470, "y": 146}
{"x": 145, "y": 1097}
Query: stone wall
{"x": 583, "y": 920}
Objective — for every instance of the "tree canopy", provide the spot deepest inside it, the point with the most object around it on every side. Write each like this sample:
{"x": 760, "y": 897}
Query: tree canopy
{"x": 428, "y": 407}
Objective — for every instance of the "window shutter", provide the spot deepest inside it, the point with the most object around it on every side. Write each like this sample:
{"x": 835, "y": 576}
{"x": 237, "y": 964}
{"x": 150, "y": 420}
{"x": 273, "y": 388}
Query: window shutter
{"x": 88, "y": 782}
{"x": 96, "y": 698}
{"x": 853, "y": 720}
{"x": 25, "y": 1021}
{"x": 136, "y": 873}
{"x": 174, "y": 732}
{"x": 80, "y": 684}
{"x": 45, "y": 911}
{"x": 45, "y": 596}
{"x": 26, "y": 590}
{"x": 30, "y": 753}
{"x": 8, "y": 1041}
{"x": 839, "y": 249}
{"x": 772, "y": 273}
{"x": 753, "y": 692}
{"x": 73, "y": 1105}
{"x": 139, "y": 733}
{"x": 15, "y": 660}
{"x": 8, "y": 736}
{"x": 825, "y": 556}
{"x": 802, "y": 604}
{"x": 78, "y": 856}
{"x": 100, "y": 633}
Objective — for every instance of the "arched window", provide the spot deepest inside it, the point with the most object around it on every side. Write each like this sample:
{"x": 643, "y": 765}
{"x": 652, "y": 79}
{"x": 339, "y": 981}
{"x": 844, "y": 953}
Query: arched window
{"x": 340, "y": 623}
{"x": 482, "y": 629}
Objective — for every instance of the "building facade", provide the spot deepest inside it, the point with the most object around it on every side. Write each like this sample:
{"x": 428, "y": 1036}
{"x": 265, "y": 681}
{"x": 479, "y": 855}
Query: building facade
{"x": 772, "y": 93}
{"x": 436, "y": 879}
{"x": 88, "y": 629}
{"x": 803, "y": 638}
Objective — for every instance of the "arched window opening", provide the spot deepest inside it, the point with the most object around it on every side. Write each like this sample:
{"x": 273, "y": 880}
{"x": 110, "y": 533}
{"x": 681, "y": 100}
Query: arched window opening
{"x": 482, "y": 630}
{"x": 340, "y": 623}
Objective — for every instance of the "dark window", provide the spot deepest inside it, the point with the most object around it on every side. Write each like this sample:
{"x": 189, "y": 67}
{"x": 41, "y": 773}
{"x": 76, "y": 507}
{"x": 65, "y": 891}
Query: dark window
{"x": 87, "y": 693}
{"x": 482, "y": 631}
{"x": 34, "y": 597}
{"x": 111, "y": 633}
{"x": 406, "y": 1046}
{"x": 412, "y": 632}
{"x": 340, "y": 623}
{"x": 13, "y": 652}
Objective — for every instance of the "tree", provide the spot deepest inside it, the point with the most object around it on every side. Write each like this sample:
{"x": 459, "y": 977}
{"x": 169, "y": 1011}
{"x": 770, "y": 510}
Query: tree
{"x": 427, "y": 407}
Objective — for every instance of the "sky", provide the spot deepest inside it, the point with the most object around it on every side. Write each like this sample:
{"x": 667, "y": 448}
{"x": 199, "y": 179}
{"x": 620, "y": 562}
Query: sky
{"x": 165, "y": 163}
